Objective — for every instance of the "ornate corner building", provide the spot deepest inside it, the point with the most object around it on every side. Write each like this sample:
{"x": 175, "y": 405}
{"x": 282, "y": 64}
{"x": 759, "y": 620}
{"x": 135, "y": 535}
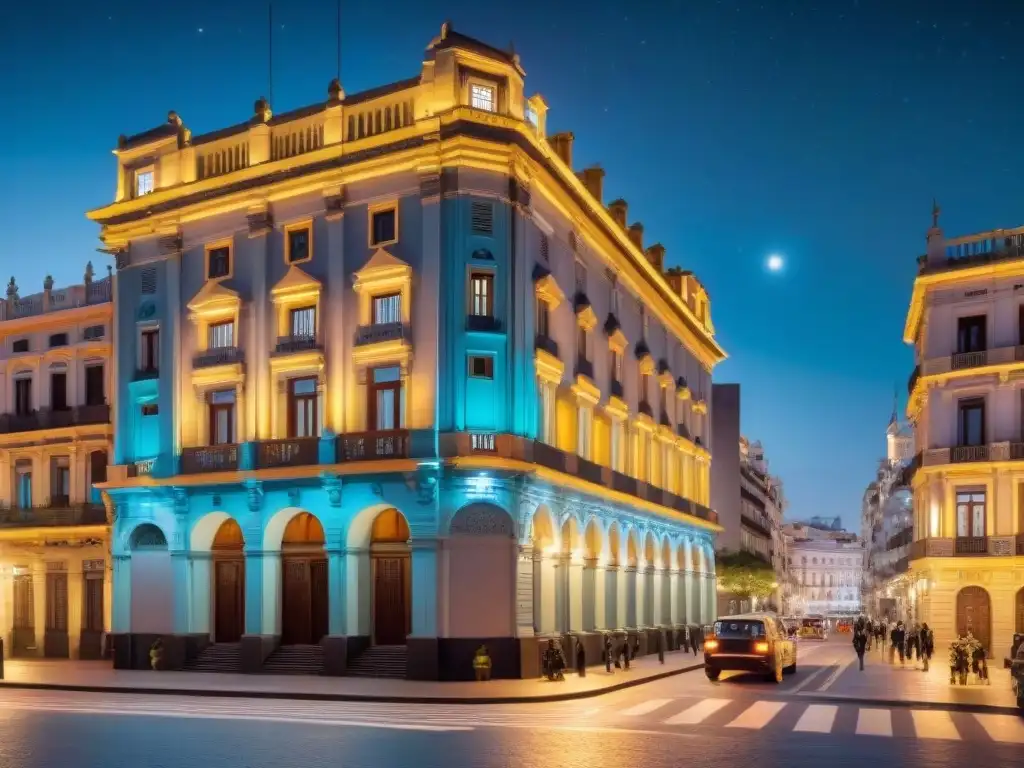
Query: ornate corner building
{"x": 55, "y": 440}
{"x": 966, "y": 324}
{"x": 392, "y": 383}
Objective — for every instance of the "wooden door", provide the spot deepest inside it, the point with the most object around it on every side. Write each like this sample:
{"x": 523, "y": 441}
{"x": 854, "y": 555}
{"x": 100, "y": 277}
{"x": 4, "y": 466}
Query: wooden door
{"x": 1019, "y": 612}
{"x": 390, "y": 606}
{"x": 973, "y": 612}
{"x": 296, "y": 619}
{"x": 24, "y": 613}
{"x": 318, "y": 599}
{"x": 229, "y": 593}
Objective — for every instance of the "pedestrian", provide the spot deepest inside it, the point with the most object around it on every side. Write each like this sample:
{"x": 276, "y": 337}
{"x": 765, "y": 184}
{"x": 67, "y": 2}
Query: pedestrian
{"x": 914, "y": 643}
{"x": 860, "y": 640}
{"x": 898, "y": 638}
{"x": 691, "y": 631}
{"x": 927, "y": 642}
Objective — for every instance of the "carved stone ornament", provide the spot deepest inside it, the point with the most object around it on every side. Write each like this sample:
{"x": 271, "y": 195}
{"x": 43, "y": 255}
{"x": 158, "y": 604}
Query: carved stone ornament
{"x": 260, "y": 223}
{"x": 179, "y": 497}
{"x": 334, "y": 205}
{"x": 424, "y": 483}
{"x": 254, "y": 495}
{"x": 332, "y": 487}
{"x": 482, "y": 520}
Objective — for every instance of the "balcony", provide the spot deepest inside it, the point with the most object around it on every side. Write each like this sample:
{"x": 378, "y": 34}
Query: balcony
{"x": 966, "y": 361}
{"x": 212, "y": 458}
{"x": 81, "y": 415}
{"x": 584, "y": 368}
{"x": 970, "y": 545}
{"x": 211, "y": 358}
{"x": 961, "y": 454}
{"x": 975, "y": 252}
{"x": 288, "y": 452}
{"x": 549, "y": 456}
{"x": 369, "y": 446}
{"x": 616, "y": 389}
{"x": 483, "y": 324}
{"x": 378, "y": 332}
{"x": 53, "y": 515}
{"x": 287, "y": 345}
{"x": 545, "y": 342}
{"x": 141, "y": 468}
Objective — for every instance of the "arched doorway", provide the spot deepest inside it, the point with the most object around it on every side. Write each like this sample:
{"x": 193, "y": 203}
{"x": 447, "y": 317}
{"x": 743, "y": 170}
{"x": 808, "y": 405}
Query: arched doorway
{"x": 228, "y": 583}
{"x": 974, "y": 613}
{"x": 392, "y": 582}
{"x": 303, "y": 581}
{"x": 1018, "y": 612}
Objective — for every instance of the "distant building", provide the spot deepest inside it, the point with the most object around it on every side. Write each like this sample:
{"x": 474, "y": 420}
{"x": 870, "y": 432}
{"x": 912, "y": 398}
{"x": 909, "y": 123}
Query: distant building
{"x": 966, "y": 325}
{"x": 825, "y": 568}
{"x": 55, "y": 441}
{"x": 748, "y": 499}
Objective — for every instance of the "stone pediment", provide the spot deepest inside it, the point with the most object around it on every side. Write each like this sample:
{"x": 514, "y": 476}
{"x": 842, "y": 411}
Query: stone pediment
{"x": 213, "y": 296}
{"x": 295, "y": 281}
{"x": 381, "y": 264}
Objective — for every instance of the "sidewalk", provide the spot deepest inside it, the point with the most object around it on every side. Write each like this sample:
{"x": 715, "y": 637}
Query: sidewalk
{"x": 98, "y": 676}
{"x": 909, "y": 685}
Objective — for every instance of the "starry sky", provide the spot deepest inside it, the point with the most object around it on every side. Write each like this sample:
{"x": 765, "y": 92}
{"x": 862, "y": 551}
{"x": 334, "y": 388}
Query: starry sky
{"x": 816, "y": 129}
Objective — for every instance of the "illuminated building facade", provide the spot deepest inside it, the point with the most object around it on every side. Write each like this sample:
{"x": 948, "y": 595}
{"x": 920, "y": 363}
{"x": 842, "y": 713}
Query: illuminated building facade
{"x": 826, "y": 569}
{"x": 55, "y": 441}
{"x": 966, "y": 323}
{"x": 396, "y": 384}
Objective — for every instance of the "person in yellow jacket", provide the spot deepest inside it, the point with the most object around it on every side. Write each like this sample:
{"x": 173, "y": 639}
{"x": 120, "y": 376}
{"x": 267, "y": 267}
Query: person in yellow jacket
{"x": 482, "y": 664}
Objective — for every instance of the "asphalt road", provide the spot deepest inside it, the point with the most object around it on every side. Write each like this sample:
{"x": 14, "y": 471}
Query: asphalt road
{"x": 684, "y": 720}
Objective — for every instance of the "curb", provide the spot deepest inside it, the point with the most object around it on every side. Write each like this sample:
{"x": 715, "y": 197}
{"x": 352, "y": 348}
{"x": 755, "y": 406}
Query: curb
{"x": 220, "y": 693}
{"x": 949, "y": 706}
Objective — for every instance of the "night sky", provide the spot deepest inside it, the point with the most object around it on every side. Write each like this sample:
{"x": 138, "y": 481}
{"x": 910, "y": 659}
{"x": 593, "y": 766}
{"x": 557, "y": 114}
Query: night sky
{"x": 817, "y": 130}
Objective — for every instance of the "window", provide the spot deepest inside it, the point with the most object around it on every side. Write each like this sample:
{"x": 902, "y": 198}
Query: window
{"x": 543, "y": 318}
{"x": 482, "y": 97}
{"x": 302, "y": 408}
{"x": 303, "y": 322}
{"x": 481, "y": 294}
{"x": 94, "y": 332}
{"x": 218, "y": 262}
{"x": 94, "y": 385}
{"x": 222, "y": 417}
{"x": 972, "y": 422}
{"x": 482, "y": 218}
{"x": 19, "y": 345}
{"x": 970, "y": 513}
{"x": 59, "y": 391}
{"x": 384, "y": 226}
{"x": 297, "y": 245}
{"x": 23, "y": 397}
{"x": 582, "y": 343}
{"x": 60, "y": 480}
{"x": 531, "y": 116}
{"x": 144, "y": 181}
{"x": 616, "y": 365}
{"x": 385, "y": 399}
{"x": 387, "y": 309}
{"x": 149, "y": 349}
{"x": 970, "y": 334}
{"x": 481, "y": 366}
{"x": 58, "y": 340}
{"x": 220, "y": 335}
{"x": 150, "y": 409}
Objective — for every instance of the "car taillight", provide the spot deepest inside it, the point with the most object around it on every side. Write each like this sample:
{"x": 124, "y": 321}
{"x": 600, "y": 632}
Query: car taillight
{"x": 760, "y": 647}
{"x": 710, "y": 645}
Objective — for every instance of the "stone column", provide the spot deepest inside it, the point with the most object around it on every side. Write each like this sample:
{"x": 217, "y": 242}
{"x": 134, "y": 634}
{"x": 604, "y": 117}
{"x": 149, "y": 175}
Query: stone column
{"x": 75, "y": 598}
{"x": 424, "y": 579}
{"x": 657, "y": 598}
{"x": 593, "y": 595}
{"x": 575, "y": 594}
{"x": 631, "y": 596}
{"x": 544, "y": 593}
{"x": 524, "y": 592}
{"x": 358, "y": 590}
{"x": 254, "y": 624}
{"x": 675, "y": 607}
{"x": 39, "y": 604}
{"x": 182, "y": 591}
{"x": 201, "y": 587}
{"x": 691, "y": 597}
{"x": 612, "y": 606}
{"x": 336, "y": 565}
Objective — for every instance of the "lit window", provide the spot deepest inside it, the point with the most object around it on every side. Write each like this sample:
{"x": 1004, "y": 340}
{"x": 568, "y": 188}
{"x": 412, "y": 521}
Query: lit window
{"x": 298, "y": 245}
{"x": 531, "y": 116}
{"x": 482, "y": 294}
{"x": 143, "y": 182}
{"x": 221, "y": 335}
{"x": 219, "y": 262}
{"x": 482, "y": 97}
{"x": 384, "y": 227}
{"x": 387, "y": 309}
{"x": 304, "y": 322}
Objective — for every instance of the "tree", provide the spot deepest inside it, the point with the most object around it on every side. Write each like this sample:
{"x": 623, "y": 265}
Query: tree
{"x": 745, "y": 575}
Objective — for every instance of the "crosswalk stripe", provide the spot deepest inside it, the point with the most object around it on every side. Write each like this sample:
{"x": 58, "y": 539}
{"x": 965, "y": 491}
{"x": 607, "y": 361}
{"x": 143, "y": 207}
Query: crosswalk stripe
{"x": 934, "y": 724}
{"x": 817, "y": 718}
{"x": 645, "y": 707}
{"x": 1004, "y": 728}
{"x": 874, "y": 722}
{"x": 757, "y": 715}
{"x": 698, "y": 713}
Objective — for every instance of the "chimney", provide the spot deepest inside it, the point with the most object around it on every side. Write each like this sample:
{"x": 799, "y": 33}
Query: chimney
{"x": 636, "y": 234}
{"x": 618, "y": 210}
{"x": 656, "y": 255}
{"x": 593, "y": 180}
{"x": 562, "y": 144}
{"x": 674, "y": 278}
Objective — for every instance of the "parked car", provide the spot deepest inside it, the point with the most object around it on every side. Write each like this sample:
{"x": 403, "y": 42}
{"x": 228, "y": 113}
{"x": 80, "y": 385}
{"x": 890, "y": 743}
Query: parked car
{"x": 751, "y": 642}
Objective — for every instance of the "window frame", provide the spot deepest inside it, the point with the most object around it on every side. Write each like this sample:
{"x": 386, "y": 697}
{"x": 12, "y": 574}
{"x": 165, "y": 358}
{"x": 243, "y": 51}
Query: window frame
{"x": 211, "y": 329}
{"x": 228, "y": 244}
{"x": 29, "y": 399}
{"x": 16, "y": 342}
{"x": 488, "y": 373}
{"x": 374, "y": 210}
{"x": 295, "y": 399}
{"x": 487, "y": 277}
{"x": 147, "y": 331}
{"x": 293, "y": 312}
{"x": 137, "y": 175}
{"x": 88, "y": 368}
{"x": 381, "y": 297}
{"x": 964, "y": 498}
{"x": 213, "y": 409}
{"x": 480, "y": 83}
{"x": 298, "y": 226}
{"x": 962, "y": 407}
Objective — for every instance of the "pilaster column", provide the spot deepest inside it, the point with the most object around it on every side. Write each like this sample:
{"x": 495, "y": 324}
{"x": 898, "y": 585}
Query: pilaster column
{"x": 424, "y": 579}
{"x": 692, "y": 597}
{"x": 39, "y": 604}
{"x": 631, "y": 596}
{"x": 358, "y": 590}
{"x": 576, "y": 600}
{"x": 336, "y": 602}
{"x": 254, "y": 599}
{"x": 675, "y": 605}
{"x": 75, "y": 579}
{"x": 650, "y": 597}
{"x": 524, "y": 592}
{"x": 257, "y": 349}
{"x": 614, "y": 612}
{"x": 593, "y": 595}
{"x": 182, "y": 592}
{"x": 201, "y": 586}
{"x": 544, "y": 593}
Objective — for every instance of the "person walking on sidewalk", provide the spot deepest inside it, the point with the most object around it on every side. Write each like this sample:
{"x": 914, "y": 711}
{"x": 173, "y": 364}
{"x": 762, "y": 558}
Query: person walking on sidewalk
{"x": 860, "y": 640}
{"x": 898, "y": 638}
{"x": 927, "y": 642}
{"x": 914, "y": 643}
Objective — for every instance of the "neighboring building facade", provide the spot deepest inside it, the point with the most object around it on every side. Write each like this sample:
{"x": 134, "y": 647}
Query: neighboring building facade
{"x": 55, "y": 442}
{"x": 826, "y": 569}
{"x": 966, "y": 323}
{"x": 887, "y": 529}
{"x": 749, "y": 501}
{"x": 394, "y": 382}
